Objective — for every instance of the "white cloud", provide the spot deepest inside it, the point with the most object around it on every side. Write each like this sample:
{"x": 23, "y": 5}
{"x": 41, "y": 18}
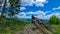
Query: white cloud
{"x": 31, "y": 12}
{"x": 40, "y": 3}
{"x": 33, "y": 2}
{"x": 40, "y": 14}
{"x": 22, "y": 8}
{"x": 24, "y": 14}
{"x": 56, "y": 14}
{"x": 37, "y": 12}
{"x": 40, "y": 0}
{"x": 27, "y": 2}
{"x": 56, "y": 8}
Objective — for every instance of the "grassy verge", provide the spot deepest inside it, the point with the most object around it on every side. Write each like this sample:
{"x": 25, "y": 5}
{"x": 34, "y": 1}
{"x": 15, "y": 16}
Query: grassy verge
{"x": 57, "y": 28}
{"x": 11, "y": 26}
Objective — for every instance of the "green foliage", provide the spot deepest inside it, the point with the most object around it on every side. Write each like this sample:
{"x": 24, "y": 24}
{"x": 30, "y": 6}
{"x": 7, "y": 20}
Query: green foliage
{"x": 57, "y": 28}
{"x": 59, "y": 20}
{"x": 14, "y": 7}
{"x": 10, "y": 25}
{"x": 54, "y": 20}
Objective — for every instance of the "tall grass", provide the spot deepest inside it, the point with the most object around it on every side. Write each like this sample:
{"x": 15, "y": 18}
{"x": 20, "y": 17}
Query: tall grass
{"x": 8, "y": 25}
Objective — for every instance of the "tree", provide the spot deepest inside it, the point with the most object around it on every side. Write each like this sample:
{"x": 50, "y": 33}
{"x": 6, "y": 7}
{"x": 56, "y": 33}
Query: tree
{"x": 14, "y": 7}
{"x": 53, "y": 20}
{"x": 59, "y": 20}
{"x": 3, "y": 8}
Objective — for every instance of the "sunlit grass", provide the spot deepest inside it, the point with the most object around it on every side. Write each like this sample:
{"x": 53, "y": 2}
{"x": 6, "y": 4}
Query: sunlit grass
{"x": 57, "y": 28}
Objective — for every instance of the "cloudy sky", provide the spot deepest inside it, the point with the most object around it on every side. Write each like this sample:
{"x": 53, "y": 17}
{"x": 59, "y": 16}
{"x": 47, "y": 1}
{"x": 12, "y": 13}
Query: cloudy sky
{"x": 42, "y": 9}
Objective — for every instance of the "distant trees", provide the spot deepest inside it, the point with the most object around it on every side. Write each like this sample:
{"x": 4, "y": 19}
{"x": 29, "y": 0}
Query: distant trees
{"x": 54, "y": 20}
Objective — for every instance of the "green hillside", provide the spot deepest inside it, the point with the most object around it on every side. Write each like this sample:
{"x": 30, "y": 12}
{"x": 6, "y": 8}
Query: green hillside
{"x": 11, "y": 26}
{"x": 57, "y": 28}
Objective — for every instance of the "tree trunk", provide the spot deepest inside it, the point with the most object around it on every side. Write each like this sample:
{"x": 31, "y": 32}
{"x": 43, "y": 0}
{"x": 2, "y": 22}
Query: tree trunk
{"x": 3, "y": 8}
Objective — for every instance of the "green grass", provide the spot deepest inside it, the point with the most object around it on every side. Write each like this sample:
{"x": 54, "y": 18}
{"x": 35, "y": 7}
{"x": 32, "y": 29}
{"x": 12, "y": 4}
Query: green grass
{"x": 11, "y": 26}
{"x": 57, "y": 28}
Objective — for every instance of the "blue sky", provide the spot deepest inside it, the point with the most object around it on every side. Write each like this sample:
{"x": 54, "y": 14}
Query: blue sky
{"x": 42, "y": 9}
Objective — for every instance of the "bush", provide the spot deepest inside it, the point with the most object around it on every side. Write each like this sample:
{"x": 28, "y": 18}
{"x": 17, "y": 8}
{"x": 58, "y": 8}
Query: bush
{"x": 54, "y": 20}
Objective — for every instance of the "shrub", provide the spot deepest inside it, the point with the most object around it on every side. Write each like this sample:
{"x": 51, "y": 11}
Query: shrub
{"x": 54, "y": 20}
